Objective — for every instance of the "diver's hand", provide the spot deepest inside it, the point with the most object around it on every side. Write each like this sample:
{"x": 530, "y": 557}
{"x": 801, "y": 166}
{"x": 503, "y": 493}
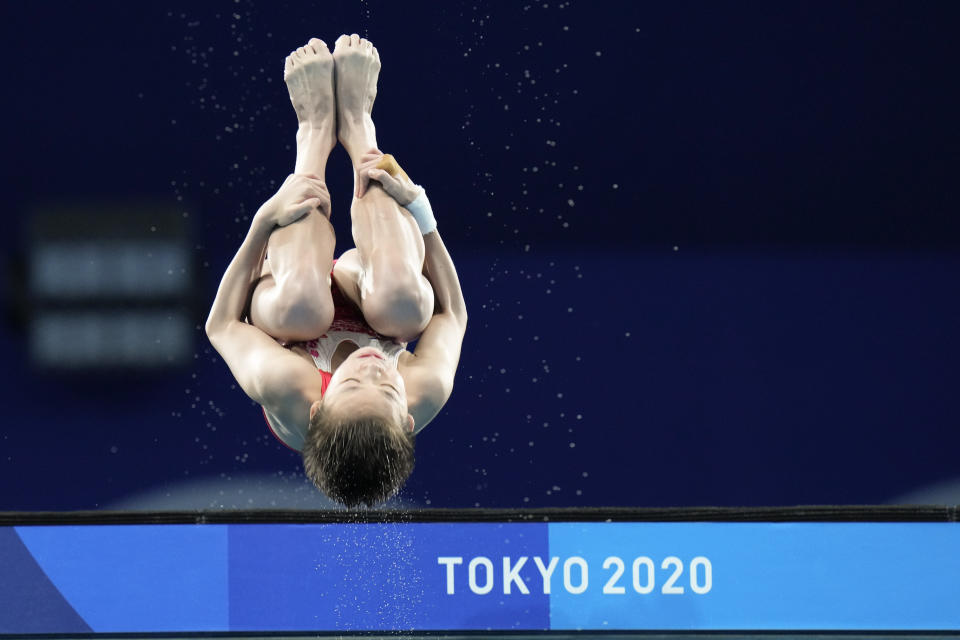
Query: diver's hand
{"x": 377, "y": 166}
{"x": 403, "y": 191}
{"x": 297, "y": 196}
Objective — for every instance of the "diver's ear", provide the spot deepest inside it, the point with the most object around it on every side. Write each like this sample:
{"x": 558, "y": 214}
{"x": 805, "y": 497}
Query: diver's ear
{"x": 410, "y": 423}
{"x": 314, "y": 408}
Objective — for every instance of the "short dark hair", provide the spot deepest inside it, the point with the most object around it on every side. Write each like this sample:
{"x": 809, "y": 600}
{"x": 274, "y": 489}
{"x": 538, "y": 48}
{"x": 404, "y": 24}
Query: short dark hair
{"x": 363, "y": 460}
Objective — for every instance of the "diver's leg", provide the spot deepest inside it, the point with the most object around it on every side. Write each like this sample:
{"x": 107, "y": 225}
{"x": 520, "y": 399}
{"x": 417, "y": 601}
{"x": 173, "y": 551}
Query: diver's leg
{"x": 292, "y": 300}
{"x": 395, "y": 297}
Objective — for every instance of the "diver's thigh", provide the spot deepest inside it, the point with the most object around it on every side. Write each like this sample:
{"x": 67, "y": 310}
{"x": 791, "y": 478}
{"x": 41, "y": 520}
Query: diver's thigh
{"x": 292, "y": 299}
{"x": 347, "y": 272}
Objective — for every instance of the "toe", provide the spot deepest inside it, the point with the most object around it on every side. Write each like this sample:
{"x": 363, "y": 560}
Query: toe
{"x": 317, "y": 45}
{"x": 365, "y": 44}
{"x": 288, "y": 64}
{"x": 354, "y": 40}
{"x": 342, "y": 41}
{"x": 302, "y": 51}
{"x": 376, "y": 55}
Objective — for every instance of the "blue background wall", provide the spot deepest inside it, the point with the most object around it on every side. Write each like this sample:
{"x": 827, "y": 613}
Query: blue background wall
{"x": 710, "y": 251}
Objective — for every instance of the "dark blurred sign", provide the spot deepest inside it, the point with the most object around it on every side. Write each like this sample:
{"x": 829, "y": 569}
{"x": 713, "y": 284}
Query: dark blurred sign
{"x": 109, "y": 287}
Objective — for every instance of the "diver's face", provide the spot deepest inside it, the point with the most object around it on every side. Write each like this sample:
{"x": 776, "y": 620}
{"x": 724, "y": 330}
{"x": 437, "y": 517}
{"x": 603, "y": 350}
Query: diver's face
{"x": 367, "y": 384}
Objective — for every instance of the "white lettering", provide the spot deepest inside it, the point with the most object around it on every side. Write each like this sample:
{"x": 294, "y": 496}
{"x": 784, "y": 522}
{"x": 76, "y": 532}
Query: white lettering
{"x": 612, "y": 587}
{"x": 644, "y": 574}
{"x": 511, "y": 575}
{"x": 567, "y": 583}
{"x": 547, "y": 571}
{"x": 669, "y": 587}
{"x": 450, "y": 561}
{"x": 480, "y": 560}
{"x": 707, "y": 584}
{"x": 648, "y": 563}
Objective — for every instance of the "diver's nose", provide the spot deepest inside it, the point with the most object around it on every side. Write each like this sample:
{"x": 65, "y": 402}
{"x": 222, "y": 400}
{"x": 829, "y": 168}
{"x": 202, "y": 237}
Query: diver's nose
{"x": 376, "y": 367}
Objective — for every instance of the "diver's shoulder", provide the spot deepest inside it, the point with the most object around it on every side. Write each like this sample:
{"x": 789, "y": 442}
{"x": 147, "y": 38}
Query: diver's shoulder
{"x": 289, "y": 384}
{"x": 427, "y": 391}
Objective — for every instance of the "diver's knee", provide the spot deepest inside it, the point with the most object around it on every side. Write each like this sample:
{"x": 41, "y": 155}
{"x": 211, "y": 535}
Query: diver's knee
{"x": 401, "y": 310}
{"x": 303, "y": 312}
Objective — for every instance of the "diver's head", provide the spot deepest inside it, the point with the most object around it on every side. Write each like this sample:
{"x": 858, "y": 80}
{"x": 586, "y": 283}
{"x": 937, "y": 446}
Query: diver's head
{"x": 359, "y": 445}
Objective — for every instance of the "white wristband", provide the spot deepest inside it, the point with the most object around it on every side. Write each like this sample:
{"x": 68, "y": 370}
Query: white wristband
{"x": 422, "y": 212}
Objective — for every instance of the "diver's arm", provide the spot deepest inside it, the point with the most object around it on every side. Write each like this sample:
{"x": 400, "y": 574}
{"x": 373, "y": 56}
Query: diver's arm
{"x": 439, "y": 270}
{"x": 429, "y": 375}
{"x": 297, "y": 196}
{"x": 246, "y": 349}
{"x": 242, "y": 272}
{"x": 438, "y": 348}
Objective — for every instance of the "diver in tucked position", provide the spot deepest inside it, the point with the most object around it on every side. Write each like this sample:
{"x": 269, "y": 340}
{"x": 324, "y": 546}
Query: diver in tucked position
{"x": 320, "y": 343}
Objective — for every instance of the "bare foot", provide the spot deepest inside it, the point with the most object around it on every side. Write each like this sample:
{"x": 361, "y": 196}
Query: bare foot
{"x": 358, "y": 67}
{"x": 308, "y": 73}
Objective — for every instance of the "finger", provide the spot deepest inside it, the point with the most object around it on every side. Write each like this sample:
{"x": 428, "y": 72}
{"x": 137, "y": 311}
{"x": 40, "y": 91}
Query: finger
{"x": 319, "y": 187}
{"x": 305, "y": 207}
{"x": 390, "y": 184}
{"x": 309, "y": 193}
{"x": 363, "y": 167}
{"x": 308, "y": 182}
{"x": 363, "y": 182}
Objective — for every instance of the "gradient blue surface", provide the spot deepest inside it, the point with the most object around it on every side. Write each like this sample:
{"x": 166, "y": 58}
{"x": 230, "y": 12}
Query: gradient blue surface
{"x": 837, "y": 576}
{"x": 374, "y": 576}
{"x": 137, "y": 578}
{"x": 380, "y": 577}
{"x": 29, "y": 602}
